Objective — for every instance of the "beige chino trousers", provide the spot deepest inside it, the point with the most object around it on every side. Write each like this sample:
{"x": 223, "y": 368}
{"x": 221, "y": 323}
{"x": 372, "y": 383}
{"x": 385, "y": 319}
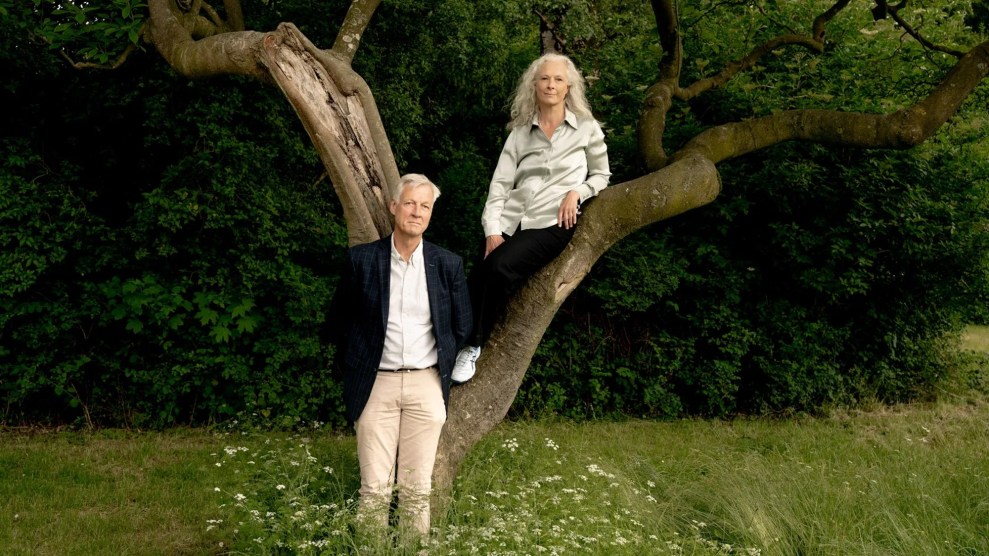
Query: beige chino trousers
{"x": 397, "y": 436}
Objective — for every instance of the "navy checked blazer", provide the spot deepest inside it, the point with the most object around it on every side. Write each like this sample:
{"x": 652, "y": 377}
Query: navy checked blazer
{"x": 359, "y": 315}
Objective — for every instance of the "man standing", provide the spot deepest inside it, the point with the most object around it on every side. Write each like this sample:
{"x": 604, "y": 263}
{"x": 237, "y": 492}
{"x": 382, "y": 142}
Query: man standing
{"x": 401, "y": 313}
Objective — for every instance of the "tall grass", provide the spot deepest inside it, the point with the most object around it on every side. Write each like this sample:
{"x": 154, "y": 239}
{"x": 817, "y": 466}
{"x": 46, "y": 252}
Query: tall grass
{"x": 910, "y": 480}
{"x": 905, "y": 480}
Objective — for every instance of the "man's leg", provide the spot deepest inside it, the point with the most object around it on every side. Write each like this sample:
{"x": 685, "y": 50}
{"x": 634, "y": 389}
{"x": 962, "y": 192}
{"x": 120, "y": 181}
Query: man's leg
{"x": 423, "y": 415}
{"x": 377, "y": 446}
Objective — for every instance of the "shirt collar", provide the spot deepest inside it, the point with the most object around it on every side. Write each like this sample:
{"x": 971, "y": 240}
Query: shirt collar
{"x": 568, "y": 117}
{"x": 415, "y": 260}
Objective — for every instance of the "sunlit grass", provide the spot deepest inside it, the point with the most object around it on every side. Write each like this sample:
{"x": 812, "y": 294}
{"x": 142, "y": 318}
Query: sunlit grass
{"x": 976, "y": 338}
{"x": 912, "y": 480}
{"x": 105, "y": 493}
{"x": 904, "y": 480}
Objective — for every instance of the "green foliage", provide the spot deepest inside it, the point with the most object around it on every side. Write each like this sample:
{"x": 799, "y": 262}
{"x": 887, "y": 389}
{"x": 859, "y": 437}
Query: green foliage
{"x": 170, "y": 264}
{"x": 167, "y": 249}
{"x": 90, "y": 32}
{"x": 820, "y": 277}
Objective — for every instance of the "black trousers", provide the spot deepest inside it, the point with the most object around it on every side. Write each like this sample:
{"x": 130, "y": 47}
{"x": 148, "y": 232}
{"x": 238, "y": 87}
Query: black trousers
{"x": 493, "y": 281}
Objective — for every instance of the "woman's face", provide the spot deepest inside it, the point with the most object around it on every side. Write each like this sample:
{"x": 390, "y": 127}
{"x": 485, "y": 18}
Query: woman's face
{"x": 551, "y": 84}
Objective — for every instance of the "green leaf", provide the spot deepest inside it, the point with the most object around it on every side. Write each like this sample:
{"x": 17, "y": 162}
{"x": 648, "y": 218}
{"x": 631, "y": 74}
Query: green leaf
{"x": 207, "y": 316}
{"x": 220, "y": 334}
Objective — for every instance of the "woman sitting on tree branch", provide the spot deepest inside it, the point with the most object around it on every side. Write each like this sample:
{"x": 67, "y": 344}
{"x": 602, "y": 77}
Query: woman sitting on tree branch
{"x": 554, "y": 160}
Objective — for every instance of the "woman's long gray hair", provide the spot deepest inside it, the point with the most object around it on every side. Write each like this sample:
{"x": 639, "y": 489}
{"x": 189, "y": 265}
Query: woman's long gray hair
{"x": 524, "y": 106}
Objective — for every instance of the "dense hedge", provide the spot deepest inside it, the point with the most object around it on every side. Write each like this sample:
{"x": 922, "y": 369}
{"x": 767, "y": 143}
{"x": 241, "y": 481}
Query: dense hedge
{"x": 817, "y": 278}
{"x": 168, "y": 248}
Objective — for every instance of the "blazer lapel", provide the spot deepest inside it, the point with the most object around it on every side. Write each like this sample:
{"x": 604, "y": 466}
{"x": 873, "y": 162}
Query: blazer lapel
{"x": 384, "y": 270}
{"x": 432, "y": 279}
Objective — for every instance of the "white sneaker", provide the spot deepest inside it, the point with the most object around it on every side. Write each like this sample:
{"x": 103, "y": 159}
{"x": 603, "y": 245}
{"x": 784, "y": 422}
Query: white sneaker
{"x": 464, "y": 369}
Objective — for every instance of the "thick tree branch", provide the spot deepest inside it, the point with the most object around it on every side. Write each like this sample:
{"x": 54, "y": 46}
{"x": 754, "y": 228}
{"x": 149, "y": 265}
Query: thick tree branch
{"x": 899, "y": 130}
{"x": 334, "y": 103}
{"x": 235, "y": 15}
{"x": 343, "y": 125}
{"x": 236, "y": 53}
{"x": 349, "y": 38}
{"x": 478, "y": 406}
{"x": 659, "y": 97}
{"x": 667, "y": 22}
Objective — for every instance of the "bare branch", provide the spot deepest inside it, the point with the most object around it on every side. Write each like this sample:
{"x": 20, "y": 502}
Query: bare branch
{"x": 737, "y": 67}
{"x": 215, "y": 18}
{"x": 821, "y": 21}
{"x": 349, "y": 38}
{"x": 899, "y": 130}
{"x": 121, "y": 59}
{"x": 235, "y": 15}
{"x": 343, "y": 124}
{"x": 549, "y": 39}
{"x": 813, "y": 42}
{"x": 669, "y": 39}
{"x": 894, "y": 12}
{"x": 659, "y": 97}
{"x": 131, "y": 48}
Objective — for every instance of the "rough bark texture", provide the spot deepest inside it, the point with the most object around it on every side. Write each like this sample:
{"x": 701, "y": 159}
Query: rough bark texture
{"x": 479, "y": 405}
{"x": 333, "y": 106}
{"x": 334, "y": 103}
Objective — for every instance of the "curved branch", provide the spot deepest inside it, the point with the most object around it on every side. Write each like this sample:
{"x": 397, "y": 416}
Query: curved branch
{"x": 813, "y": 42}
{"x": 894, "y": 11}
{"x": 668, "y": 25}
{"x": 659, "y": 97}
{"x": 334, "y": 103}
{"x": 734, "y": 68}
{"x": 235, "y": 15}
{"x": 899, "y": 130}
{"x": 121, "y": 59}
{"x": 821, "y": 21}
{"x": 349, "y": 38}
{"x": 476, "y": 407}
{"x": 237, "y": 53}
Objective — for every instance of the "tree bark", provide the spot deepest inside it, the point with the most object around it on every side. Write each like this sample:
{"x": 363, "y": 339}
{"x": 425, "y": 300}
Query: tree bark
{"x": 334, "y": 104}
{"x": 476, "y": 407}
{"x": 900, "y": 130}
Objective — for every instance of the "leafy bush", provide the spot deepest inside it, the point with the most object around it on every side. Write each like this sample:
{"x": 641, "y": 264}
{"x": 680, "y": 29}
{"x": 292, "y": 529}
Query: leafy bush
{"x": 819, "y": 277}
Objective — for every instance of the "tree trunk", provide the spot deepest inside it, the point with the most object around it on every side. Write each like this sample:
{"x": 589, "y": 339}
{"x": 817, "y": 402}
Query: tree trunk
{"x": 476, "y": 407}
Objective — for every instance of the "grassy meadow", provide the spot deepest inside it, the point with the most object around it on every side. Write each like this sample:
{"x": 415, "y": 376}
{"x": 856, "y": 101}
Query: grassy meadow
{"x": 903, "y": 480}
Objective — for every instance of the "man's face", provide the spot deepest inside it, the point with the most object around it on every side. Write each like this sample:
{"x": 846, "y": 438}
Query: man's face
{"x": 412, "y": 210}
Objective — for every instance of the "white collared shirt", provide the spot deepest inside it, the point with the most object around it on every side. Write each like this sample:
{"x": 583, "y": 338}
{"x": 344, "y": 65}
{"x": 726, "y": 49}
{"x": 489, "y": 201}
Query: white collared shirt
{"x": 534, "y": 174}
{"x": 409, "y": 339}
